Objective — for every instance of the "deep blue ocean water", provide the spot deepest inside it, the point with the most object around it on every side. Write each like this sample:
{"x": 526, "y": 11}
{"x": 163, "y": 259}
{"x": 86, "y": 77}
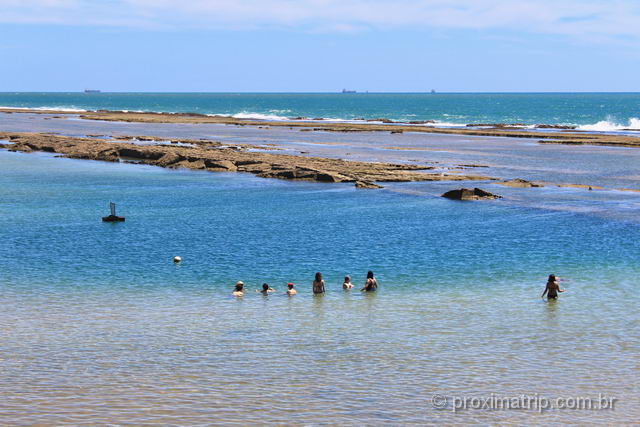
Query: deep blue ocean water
{"x": 229, "y": 227}
{"x": 592, "y": 111}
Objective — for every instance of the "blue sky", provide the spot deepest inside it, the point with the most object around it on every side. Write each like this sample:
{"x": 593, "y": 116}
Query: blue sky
{"x": 319, "y": 45}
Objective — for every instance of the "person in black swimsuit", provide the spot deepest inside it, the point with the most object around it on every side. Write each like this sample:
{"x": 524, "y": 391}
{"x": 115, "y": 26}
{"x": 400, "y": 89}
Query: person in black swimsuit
{"x": 552, "y": 288}
{"x": 371, "y": 284}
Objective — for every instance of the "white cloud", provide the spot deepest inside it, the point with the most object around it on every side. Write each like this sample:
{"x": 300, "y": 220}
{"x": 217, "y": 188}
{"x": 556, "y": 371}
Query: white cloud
{"x": 601, "y": 19}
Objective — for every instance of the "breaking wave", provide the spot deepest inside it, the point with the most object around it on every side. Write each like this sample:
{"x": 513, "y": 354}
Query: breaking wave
{"x": 610, "y": 125}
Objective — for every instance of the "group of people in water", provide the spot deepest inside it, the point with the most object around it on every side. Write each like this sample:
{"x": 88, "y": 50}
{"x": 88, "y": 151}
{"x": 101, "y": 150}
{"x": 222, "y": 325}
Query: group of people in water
{"x": 370, "y": 285}
{"x": 551, "y": 290}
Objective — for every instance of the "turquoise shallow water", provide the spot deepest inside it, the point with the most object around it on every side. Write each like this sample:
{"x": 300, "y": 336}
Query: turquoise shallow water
{"x": 99, "y": 326}
{"x": 597, "y": 111}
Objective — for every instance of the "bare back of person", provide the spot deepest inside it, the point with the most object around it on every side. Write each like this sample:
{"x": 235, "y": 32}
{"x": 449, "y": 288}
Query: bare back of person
{"x": 318, "y": 286}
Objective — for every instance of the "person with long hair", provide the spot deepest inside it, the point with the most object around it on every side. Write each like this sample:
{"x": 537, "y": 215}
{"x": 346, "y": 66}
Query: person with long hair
{"x": 318, "y": 284}
{"x": 371, "y": 284}
{"x": 552, "y": 288}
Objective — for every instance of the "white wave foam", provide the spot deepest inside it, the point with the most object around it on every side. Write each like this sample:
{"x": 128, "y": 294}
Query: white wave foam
{"x": 610, "y": 125}
{"x": 258, "y": 116}
{"x": 56, "y": 108}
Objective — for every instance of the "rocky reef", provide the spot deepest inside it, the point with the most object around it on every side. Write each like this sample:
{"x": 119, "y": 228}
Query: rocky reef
{"x": 217, "y": 157}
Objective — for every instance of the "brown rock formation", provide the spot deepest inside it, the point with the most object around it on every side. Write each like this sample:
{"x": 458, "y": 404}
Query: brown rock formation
{"x": 520, "y": 183}
{"x": 215, "y": 157}
{"x": 466, "y": 194}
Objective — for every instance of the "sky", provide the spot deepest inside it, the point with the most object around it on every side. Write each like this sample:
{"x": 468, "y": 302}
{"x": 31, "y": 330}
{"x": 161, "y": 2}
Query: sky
{"x": 320, "y": 45}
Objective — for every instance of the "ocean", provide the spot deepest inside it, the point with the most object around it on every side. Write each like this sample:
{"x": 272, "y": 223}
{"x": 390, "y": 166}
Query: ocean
{"x": 100, "y": 327}
{"x": 587, "y": 111}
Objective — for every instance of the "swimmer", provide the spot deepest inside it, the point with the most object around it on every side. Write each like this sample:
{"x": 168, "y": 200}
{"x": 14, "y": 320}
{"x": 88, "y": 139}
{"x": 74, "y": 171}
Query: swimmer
{"x": 239, "y": 289}
{"x": 318, "y": 284}
{"x": 347, "y": 285}
{"x": 266, "y": 289}
{"x": 552, "y": 288}
{"x": 371, "y": 284}
{"x": 291, "y": 291}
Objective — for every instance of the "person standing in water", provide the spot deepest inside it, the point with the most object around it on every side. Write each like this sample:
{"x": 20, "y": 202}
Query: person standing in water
{"x": 552, "y": 288}
{"x": 371, "y": 284}
{"x": 266, "y": 289}
{"x": 291, "y": 291}
{"x": 347, "y": 285}
{"x": 239, "y": 289}
{"x": 318, "y": 284}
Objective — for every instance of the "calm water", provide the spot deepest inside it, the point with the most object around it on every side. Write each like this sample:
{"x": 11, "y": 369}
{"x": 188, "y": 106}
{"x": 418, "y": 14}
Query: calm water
{"x": 592, "y": 111}
{"x": 99, "y": 326}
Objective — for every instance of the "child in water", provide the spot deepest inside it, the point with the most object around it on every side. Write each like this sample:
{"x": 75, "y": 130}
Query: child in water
{"x": 347, "y": 285}
{"x": 552, "y": 288}
{"x": 291, "y": 291}
{"x": 239, "y": 289}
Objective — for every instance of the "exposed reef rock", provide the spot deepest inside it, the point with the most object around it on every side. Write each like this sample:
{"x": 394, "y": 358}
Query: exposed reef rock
{"x": 563, "y": 127}
{"x": 520, "y": 183}
{"x": 364, "y": 184}
{"x": 466, "y": 194}
{"x": 216, "y": 157}
{"x": 496, "y": 129}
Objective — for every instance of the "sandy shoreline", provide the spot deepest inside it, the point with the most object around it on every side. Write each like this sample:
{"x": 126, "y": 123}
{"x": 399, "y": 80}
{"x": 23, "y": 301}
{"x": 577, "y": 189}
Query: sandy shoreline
{"x": 559, "y": 136}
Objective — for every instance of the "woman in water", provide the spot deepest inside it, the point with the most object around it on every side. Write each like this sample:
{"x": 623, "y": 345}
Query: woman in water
{"x": 347, "y": 285}
{"x": 371, "y": 284}
{"x": 318, "y": 284}
{"x": 552, "y": 288}
{"x": 239, "y": 289}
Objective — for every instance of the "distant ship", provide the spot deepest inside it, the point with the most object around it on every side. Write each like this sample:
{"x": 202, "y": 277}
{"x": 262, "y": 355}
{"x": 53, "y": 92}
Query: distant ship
{"x": 433, "y": 91}
{"x": 91, "y": 91}
{"x": 348, "y": 91}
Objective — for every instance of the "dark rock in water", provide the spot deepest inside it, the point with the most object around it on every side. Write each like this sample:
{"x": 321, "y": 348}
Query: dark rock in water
{"x": 466, "y": 194}
{"x": 367, "y": 184}
{"x": 381, "y": 119}
{"x": 543, "y": 126}
{"x": 397, "y": 131}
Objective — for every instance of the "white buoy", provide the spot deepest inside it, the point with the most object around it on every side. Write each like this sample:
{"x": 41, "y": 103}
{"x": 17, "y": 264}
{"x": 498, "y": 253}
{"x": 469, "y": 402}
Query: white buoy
{"x": 177, "y": 259}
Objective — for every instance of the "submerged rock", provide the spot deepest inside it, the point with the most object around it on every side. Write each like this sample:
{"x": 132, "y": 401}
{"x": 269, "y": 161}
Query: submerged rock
{"x": 520, "y": 183}
{"x": 466, "y": 194}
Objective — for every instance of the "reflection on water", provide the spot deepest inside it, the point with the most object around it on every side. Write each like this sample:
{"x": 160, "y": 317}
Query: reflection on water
{"x": 99, "y": 326}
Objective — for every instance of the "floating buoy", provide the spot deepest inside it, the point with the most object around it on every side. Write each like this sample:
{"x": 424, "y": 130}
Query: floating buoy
{"x": 113, "y": 217}
{"x": 177, "y": 259}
